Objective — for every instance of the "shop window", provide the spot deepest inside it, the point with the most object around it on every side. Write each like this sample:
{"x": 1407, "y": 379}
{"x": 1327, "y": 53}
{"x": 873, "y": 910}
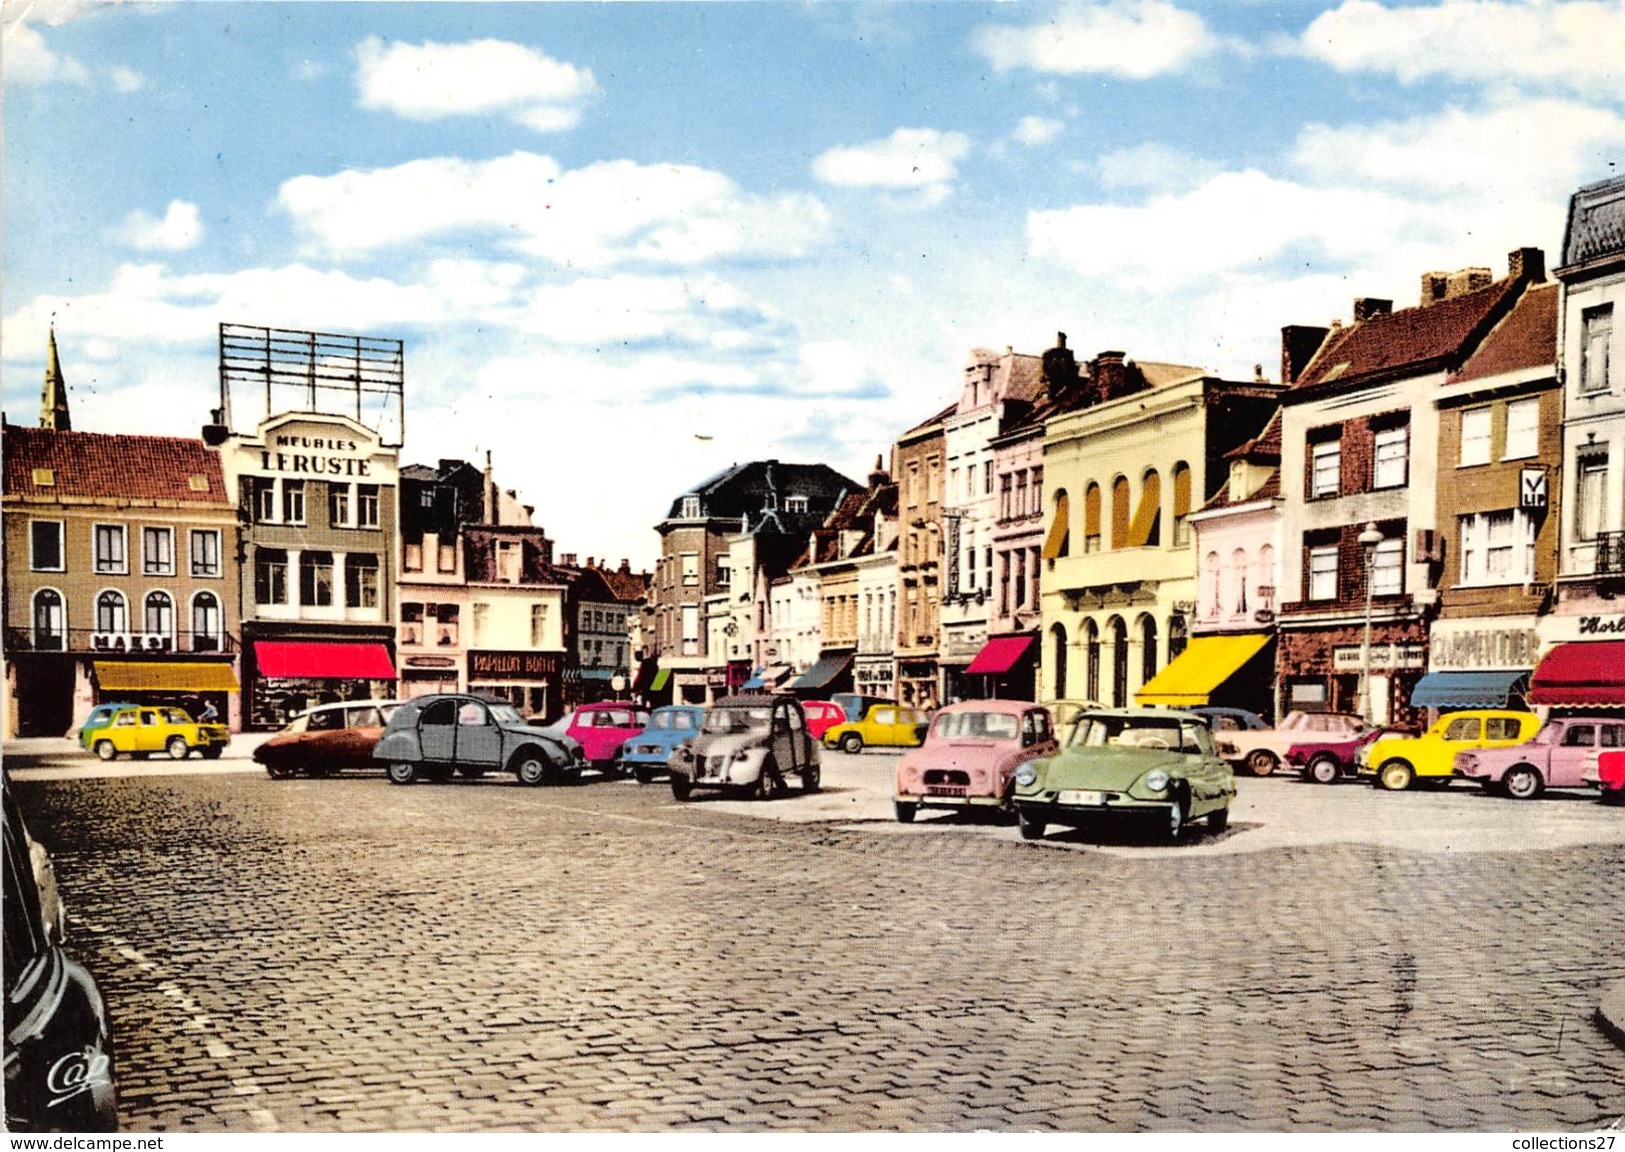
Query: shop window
{"x": 1596, "y": 335}
{"x": 1177, "y": 635}
{"x": 270, "y": 576}
{"x": 110, "y": 556}
{"x": 1475, "y": 437}
{"x": 1523, "y": 428}
{"x": 1091, "y": 660}
{"x": 316, "y": 579}
{"x": 45, "y": 552}
{"x": 1148, "y": 648}
{"x": 361, "y": 580}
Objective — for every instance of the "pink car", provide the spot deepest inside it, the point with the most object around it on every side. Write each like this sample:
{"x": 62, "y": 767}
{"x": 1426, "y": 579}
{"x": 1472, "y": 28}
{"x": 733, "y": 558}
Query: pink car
{"x": 1555, "y": 758}
{"x": 601, "y": 729}
{"x": 822, "y": 715}
{"x": 971, "y": 751}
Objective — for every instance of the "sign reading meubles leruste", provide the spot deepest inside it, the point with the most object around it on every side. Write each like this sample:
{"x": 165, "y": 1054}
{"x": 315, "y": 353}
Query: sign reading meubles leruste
{"x": 317, "y": 456}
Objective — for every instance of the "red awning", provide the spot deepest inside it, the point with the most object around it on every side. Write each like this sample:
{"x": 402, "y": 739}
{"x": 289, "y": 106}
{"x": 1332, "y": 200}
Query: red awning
{"x": 310, "y": 660}
{"x": 998, "y": 655}
{"x": 1584, "y": 675}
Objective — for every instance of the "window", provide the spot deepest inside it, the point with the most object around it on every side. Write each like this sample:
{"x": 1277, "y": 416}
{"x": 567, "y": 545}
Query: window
{"x": 338, "y": 504}
{"x": 1182, "y": 504}
{"x": 1391, "y": 457}
{"x": 316, "y": 579}
{"x": 1388, "y": 568}
{"x": 1463, "y": 728}
{"x": 110, "y": 556}
{"x": 1006, "y": 508}
{"x": 1590, "y": 487}
{"x": 691, "y": 568}
{"x": 293, "y": 501}
{"x": 987, "y": 478}
{"x": 1323, "y": 572}
{"x": 1523, "y": 428}
{"x": 50, "y": 631}
{"x": 205, "y": 551}
{"x": 691, "y": 629}
{"x": 446, "y": 556}
{"x": 45, "y": 545}
{"x": 158, "y": 551}
{"x": 412, "y": 557}
{"x": 480, "y": 616}
{"x": 689, "y": 508}
{"x": 361, "y": 580}
{"x": 264, "y": 501}
{"x": 1475, "y": 436}
{"x": 271, "y": 576}
{"x": 111, "y": 613}
{"x": 1596, "y": 332}
{"x": 1579, "y": 736}
{"x": 1091, "y": 518}
{"x": 724, "y": 573}
{"x": 1035, "y": 504}
{"x": 1502, "y": 728}
{"x": 1325, "y": 469}
{"x": 538, "y": 625}
{"x": 366, "y": 506}
{"x": 205, "y": 622}
{"x": 159, "y": 614}
{"x": 1497, "y": 547}
{"x": 795, "y": 503}
{"x": 508, "y": 556}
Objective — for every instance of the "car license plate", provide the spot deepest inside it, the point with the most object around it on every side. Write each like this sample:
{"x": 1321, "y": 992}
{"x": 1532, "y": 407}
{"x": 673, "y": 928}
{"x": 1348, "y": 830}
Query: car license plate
{"x": 945, "y": 790}
{"x": 1081, "y": 799}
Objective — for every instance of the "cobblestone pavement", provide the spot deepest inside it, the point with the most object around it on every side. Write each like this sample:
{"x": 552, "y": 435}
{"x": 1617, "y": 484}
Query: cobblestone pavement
{"x": 347, "y": 955}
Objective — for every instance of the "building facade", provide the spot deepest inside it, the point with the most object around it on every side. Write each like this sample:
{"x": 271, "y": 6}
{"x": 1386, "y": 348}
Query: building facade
{"x": 917, "y": 464}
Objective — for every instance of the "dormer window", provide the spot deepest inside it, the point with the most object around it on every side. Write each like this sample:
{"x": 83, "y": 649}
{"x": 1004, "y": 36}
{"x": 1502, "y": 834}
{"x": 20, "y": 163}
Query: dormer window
{"x": 795, "y": 504}
{"x": 689, "y": 509}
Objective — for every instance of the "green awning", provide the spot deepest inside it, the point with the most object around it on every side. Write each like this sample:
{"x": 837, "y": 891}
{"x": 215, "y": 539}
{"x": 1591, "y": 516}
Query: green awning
{"x": 660, "y": 679}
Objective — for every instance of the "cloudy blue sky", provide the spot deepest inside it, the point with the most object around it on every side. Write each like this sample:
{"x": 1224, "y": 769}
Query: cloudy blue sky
{"x": 629, "y": 244}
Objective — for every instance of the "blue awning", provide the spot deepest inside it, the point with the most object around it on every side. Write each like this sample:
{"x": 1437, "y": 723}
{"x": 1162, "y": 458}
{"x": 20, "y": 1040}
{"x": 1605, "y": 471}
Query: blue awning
{"x": 755, "y": 680}
{"x": 598, "y": 673}
{"x": 822, "y": 672}
{"x": 766, "y": 677}
{"x": 1466, "y": 689}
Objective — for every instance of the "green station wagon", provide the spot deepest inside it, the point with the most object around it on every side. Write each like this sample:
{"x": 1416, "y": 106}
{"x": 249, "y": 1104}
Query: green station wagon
{"x": 1148, "y": 764}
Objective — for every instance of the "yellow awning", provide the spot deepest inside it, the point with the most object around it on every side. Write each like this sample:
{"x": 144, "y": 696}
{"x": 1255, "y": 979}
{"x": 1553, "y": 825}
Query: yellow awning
{"x": 1207, "y": 661}
{"x": 141, "y": 676}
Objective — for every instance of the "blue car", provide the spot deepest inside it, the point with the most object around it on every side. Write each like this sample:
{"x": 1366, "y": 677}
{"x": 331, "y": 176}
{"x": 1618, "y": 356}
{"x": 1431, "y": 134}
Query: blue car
{"x": 645, "y": 754}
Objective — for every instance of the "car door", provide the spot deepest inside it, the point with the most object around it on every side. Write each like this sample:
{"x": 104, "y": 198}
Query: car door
{"x": 125, "y": 730}
{"x": 479, "y": 740}
{"x": 437, "y": 731}
{"x": 786, "y": 739}
{"x": 881, "y": 726}
{"x": 149, "y": 735}
{"x": 1568, "y": 758}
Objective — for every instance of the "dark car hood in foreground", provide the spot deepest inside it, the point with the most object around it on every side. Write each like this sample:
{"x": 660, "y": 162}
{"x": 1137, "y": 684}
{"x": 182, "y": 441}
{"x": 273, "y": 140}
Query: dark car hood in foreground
{"x": 1109, "y": 769}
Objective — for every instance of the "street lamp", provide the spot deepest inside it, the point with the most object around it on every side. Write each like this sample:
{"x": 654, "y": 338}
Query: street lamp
{"x": 1369, "y": 539}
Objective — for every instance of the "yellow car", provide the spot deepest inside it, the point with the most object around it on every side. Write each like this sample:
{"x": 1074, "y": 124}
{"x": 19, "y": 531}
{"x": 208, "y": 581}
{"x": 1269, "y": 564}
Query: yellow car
{"x": 142, "y": 730}
{"x": 1394, "y": 762}
{"x": 883, "y": 725}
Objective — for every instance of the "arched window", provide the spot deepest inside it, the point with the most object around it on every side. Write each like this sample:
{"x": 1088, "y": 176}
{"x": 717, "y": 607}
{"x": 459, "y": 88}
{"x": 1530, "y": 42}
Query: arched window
{"x": 1057, "y": 636}
{"x": 1265, "y": 581}
{"x": 50, "y": 621}
{"x": 1211, "y": 596}
{"x": 159, "y": 617}
{"x": 205, "y": 622}
{"x": 1176, "y": 635}
{"x": 112, "y": 614}
{"x": 1119, "y": 640}
{"x": 1148, "y": 648}
{"x": 1058, "y": 542}
{"x": 1091, "y": 645}
{"x": 1182, "y": 504}
{"x": 1238, "y": 566}
{"x": 1120, "y": 512}
{"x": 1091, "y": 517}
{"x": 1146, "y": 529}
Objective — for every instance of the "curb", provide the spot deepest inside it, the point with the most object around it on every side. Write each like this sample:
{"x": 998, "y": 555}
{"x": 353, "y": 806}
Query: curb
{"x": 1611, "y": 1012}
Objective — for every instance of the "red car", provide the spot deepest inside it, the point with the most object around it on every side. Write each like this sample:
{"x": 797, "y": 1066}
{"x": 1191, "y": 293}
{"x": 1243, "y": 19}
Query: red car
{"x": 1331, "y": 758}
{"x": 1606, "y": 769}
{"x": 602, "y": 728}
{"x": 822, "y": 715}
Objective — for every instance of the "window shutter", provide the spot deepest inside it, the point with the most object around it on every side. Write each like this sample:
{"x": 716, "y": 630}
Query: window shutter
{"x": 1055, "y": 544}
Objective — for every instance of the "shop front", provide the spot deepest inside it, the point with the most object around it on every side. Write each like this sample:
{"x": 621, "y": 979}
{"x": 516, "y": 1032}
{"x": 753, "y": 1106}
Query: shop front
{"x": 1007, "y": 666}
{"x": 1478, "y": 662}
{"x": 191, "y": 685}
{"x": 831, "y": 672}
{"x": 961, "y": 644}
{"x": 1580, "y": 676}
{"x": 528, "y": 680}
{"x": 287, "y": 676}
{"x": 1230, "y": 671}
{"x": 1320, "y": 670}
{"x": 426, "y": 675}
{"x": 875, "y": 676}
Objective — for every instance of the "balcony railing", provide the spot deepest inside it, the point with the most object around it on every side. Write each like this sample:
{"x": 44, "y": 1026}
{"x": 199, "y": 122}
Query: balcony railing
{"x": 89, "y": 641}
{"x": 1610, "y": 554}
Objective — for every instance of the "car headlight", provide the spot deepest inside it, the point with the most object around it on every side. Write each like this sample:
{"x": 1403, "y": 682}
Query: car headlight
{"x": 1027, "y": 775}
{"x": 1156, "y": 779}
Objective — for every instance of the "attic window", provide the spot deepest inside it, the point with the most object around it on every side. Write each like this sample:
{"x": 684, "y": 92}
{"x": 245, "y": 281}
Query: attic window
{"x": 197, "y": 482}
{"x": 1336, "y": 370}
{"x": 45, "y": 477}
{"x": 795, "y": 503}
{"x": 690, "y": 508}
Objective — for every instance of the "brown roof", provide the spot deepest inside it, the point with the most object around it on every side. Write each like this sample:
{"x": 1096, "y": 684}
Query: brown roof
{"x": 1415, "y": 339}
{"x": 937, "y": 419}
{"x": 1264, "y": 447}
{"x": 98, "y": 466}
{"x": 1026, "y": 375}
{"x": 1526, "y": 338}
{"x": 1268, "y": 490}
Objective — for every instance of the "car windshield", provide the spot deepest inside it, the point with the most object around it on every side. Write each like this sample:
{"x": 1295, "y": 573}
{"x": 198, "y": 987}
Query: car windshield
{"x": 1136, "y": 732}
{"x": 722, "y": 720}
{"x": 974, "y": 726}
{"x": 671, "y": 720}
{"x": 506, "y": 714}
{"x": 176, "y": 716}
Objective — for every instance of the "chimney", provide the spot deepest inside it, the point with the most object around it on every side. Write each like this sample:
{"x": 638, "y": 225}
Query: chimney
{"x": 1465, "y": 280}
{"x": 1365, "y": 307}
{"x": 493, "y": 511}
{"x": 1108, "y": 375}
{"x": 626, "y": 567}
{"x": 590, "y": 563}
{"x": 568, "y": 559}
{"x": 878, "y": 476}
{"x": 1060, "y": 370}
{"x": 1527, "y": 264}
{"x": 1435, "y": 287}
{"x": 1299, "y": 343}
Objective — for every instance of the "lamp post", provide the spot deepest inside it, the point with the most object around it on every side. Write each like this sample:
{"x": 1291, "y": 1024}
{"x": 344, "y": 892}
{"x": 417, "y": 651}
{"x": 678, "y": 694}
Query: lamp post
{"x": 1369, "y": 539}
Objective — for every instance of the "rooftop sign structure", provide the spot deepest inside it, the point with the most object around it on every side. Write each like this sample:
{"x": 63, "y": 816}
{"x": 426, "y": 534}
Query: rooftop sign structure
{"x": 267, "y": 372}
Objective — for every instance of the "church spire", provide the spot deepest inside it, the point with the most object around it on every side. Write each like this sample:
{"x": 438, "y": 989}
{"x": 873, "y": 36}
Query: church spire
{"x": 53, "y": 400}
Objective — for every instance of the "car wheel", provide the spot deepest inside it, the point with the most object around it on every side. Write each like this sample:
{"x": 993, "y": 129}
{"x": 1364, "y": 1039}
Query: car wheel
{"x": 644, "y": 774}
{"x": 531, "y": 770}
{"x": 1218, "y": 821}
{"x": 681, "y": 786}
{"x": 401, "y": 772}
{"x": 769, "y": 785}
{"x": 1523, "y": 782}
{"x": 904, "y": 811}
{"x": 811, "y": 777}
{"x": 1032, "y": 827}
{"x": 105, "y": 750}
{"x": 280, "y": 771}
{"x": 1262, "y": 762}
{"x": 851, "y": 743}
{"x": 1396, "y": 775}
{"x": 1324, "y": 770}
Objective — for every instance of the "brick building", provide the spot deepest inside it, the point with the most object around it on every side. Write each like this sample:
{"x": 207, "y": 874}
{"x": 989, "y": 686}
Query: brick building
{"x": 917, "y": 466}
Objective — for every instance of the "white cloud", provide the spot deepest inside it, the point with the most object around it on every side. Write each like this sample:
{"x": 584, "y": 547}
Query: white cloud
{"x": 1132, "y": 39}
{"x": 1573, "y": 47}
{"x": 605, "y": 213}
{"x": 127, "y": 79}
{"x": 1034, "y": 130}
{"x": 1153, "y": 166}
{"x": 918, "y": 160}
{"x": 179, "y": 229}
{"x": 432, "y": 81}
{"x": 29, "y": 61}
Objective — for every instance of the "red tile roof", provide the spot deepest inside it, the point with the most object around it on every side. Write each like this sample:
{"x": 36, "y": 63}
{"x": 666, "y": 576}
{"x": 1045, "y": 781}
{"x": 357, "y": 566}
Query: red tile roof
{"x": 1418, "y": 339}
{"x": 97, "y": 466}
{"x": 1526, "y": 338}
